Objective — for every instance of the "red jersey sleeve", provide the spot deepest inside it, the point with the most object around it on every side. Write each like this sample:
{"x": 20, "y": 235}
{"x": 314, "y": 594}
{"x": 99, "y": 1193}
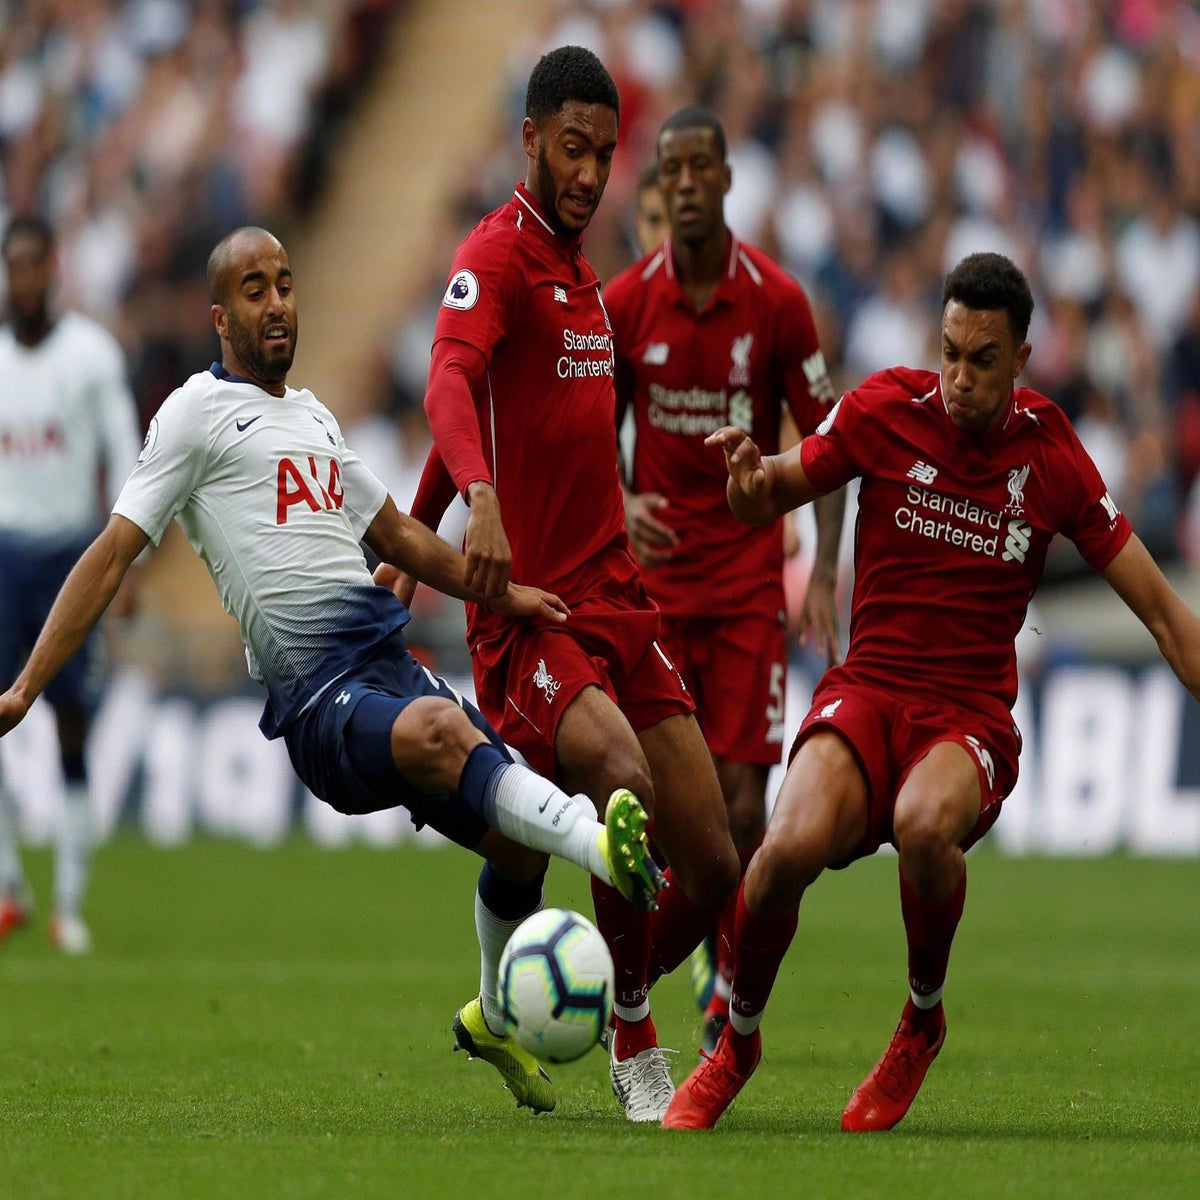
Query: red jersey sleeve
{"x": 473, "y": 317}
{"x": 455, "y": 372}
{"x": 1090, "y": 518}
{"x": 805, "y": 381}
{"x": 434, "y": 492}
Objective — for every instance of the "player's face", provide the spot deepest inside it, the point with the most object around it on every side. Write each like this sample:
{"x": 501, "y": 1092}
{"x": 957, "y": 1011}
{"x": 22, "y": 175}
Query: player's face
{"x": 570, "y": 160}
{"x": 259, "y": 320}
{"x": 650, "y": 220}
{"x": 980, "y": 360}
{"x": 694, "y": 179}
{"x": 29, "y": 263}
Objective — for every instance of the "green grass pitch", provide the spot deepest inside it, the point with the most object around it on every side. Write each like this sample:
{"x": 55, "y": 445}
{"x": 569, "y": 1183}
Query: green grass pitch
{"x": 276, "y": 1023}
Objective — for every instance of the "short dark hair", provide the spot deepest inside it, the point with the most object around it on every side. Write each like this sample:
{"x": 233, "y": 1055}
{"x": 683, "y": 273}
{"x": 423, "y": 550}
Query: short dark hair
{"x": 29, "y": 225}
{"x": 648, "y": 178}
{"x": 696, "y": 116}
{"x": 989, "y": 282}
{"x": 566, "y": 74}
{"x": 217, "y": 271}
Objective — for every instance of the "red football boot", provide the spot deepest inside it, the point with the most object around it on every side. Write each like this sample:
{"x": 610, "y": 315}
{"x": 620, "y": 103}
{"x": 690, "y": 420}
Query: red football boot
{"x": 886, "y": 1094}
{"x": 13, "y": 914}
{"x": 710, "y": 1089}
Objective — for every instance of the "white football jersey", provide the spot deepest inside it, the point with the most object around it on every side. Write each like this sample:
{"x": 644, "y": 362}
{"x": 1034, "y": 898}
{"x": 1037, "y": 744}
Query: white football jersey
{"x": 66, "y": 413}
{"x": 275, "y": 504}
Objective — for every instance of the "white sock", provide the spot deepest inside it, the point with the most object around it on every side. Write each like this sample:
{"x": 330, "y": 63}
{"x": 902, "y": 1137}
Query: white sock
{"x": 532, "y": 811}
{"x": 12, "y": 877}
{"x": 493, "y": 933}
{"x": 930, "y": 1001}
{"x": 744, "y": 1023}
{"x": 73, "y": 850}
{"x": 632, "y": 1015}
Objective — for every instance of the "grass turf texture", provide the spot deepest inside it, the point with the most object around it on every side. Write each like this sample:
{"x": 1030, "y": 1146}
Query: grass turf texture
{"x": 261, "y": 1024}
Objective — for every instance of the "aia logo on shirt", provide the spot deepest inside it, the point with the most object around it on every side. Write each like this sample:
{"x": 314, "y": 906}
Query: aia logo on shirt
{"x": 296, "y": 485}
{"x": 739, "y": 352}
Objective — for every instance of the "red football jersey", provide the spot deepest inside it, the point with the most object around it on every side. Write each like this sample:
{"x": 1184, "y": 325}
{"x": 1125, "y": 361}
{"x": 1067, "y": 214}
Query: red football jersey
{"x": 953, "y": 531}
{"x": 525, "y": 296}
{"x": 688, "y": 373}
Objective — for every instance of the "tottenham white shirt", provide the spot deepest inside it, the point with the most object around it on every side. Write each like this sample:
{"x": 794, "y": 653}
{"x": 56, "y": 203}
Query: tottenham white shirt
{"x": 66, "y": 414}
{"x": 275, "y": 503}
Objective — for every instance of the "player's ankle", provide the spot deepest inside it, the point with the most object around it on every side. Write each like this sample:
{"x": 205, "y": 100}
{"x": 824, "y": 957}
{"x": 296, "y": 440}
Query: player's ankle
{"x": 632, "y": 1037}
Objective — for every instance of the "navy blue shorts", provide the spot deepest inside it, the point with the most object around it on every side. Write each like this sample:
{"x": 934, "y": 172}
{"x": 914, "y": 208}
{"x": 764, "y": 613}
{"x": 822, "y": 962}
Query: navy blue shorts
{"x": 342, "y": 747}
{"x": 30, "y": 578}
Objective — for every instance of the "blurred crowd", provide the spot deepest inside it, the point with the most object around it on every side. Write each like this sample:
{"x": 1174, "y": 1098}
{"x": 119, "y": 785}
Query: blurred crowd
{"x": 875, "y": 142}
{"x": 147, "y": 129}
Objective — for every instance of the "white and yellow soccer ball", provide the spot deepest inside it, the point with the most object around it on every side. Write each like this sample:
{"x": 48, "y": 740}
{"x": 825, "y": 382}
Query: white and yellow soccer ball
{"x": 556, "y": 985}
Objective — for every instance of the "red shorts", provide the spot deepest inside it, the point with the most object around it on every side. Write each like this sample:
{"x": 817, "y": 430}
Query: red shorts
{"x": 736, "y": 671}
{"x": 525, "y": 680}
{"x": 889, "y": 734}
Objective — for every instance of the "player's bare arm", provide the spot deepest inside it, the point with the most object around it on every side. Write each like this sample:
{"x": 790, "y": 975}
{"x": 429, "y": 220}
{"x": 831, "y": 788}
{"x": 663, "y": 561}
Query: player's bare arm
{"x": 818, "y": 616}
{"x": 485, "y": 544}
{"x": 1136, "y": 578}
{"x": 86, "y": 593}
{"x": 411, "y": 548}
{"x": 760, "y": 489}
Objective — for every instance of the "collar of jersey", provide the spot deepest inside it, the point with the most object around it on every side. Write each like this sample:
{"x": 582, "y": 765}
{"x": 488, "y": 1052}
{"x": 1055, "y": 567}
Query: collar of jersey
{"x": 720, "y": 296}
{"x": 219, "y": 371}
{"x": 523, "y": 201}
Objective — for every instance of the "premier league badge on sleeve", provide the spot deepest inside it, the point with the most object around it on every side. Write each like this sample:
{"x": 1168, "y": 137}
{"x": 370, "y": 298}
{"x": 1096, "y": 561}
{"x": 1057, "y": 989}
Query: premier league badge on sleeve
{"x": 462, "y": 292}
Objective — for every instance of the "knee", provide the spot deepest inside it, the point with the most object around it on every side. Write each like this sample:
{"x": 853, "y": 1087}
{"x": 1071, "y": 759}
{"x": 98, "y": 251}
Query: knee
{"x": 780, "y": 872}
{"x": 607, "y": 767}
{"x": 927, "y": 829}
{"x": 709, "y": 879}
{"x": 432, "y": 731}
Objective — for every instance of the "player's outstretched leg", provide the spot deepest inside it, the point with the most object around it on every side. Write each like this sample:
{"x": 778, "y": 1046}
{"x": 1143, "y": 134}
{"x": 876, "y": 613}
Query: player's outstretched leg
{"x": 521, "y": 1072}
{"x": 711, "y": 1088}
{"x": 888, "y": 1091}
{"x": 626, "y": 850}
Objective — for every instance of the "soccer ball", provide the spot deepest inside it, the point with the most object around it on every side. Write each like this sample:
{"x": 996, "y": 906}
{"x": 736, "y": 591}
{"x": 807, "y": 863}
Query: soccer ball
{"x": 556, "y": 985}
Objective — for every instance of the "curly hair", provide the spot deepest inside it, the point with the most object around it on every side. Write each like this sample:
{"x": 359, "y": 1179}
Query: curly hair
{"x": 566, "y": 74}
{"x": 988, "y": 282}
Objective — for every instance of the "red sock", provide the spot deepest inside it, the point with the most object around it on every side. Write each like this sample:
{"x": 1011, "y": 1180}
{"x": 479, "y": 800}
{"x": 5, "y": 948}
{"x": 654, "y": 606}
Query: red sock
{"x": 627, "y": 931}
{"x": 718, "y": 1006}
{"x": 675, "y": 930}
{"x": 760, "y": 944}
{"x": 930, "y": 926}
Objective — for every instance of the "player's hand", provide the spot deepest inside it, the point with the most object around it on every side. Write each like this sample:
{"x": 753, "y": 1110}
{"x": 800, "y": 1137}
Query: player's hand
{"x": 653, "y": 542}
{"x": 12, "y": 711}
{"x": 401, "y": 584}
{"x": 819, "y": 619}
{"x": 485, "y": 544}
{"x": 521, "y": 601}
{"x": 742, "y": 459}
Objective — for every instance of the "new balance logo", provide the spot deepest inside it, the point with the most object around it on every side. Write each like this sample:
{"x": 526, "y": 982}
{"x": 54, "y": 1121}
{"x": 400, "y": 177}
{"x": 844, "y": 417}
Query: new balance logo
{"x": 242, "y": 426}
{"x": 922, "y": 472}
{"x": 543, "y": 679}
{"x": 560, "y": 294}
{"x": 655, "y": 354}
